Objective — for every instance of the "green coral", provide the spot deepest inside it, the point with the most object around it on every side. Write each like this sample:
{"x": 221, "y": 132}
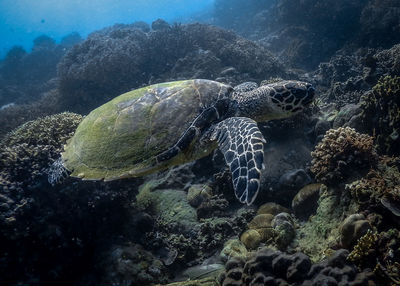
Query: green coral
{"x": 381, "y": 111}
{"x": 27, "y": 151}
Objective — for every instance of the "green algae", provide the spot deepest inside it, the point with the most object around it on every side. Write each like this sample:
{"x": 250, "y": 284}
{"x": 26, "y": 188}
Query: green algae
{"x": 321, "y": 231}
{"x": 169, "y": 205}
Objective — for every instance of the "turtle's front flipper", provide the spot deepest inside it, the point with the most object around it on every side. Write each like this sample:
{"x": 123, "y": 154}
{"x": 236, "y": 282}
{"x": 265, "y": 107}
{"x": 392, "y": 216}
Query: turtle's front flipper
{"x": 241, "y": 142}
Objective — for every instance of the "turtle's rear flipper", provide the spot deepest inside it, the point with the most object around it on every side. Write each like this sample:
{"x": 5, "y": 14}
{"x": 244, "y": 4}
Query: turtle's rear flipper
{"x": 241, "y": 142}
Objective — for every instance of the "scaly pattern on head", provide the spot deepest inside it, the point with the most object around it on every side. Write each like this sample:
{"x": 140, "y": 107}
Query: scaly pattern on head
{"x": 292, "y": 96}
{"x": 276, "y": 100}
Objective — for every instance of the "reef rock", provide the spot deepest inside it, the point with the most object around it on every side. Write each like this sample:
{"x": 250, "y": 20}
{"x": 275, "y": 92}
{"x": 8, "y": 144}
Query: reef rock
{"x": 305, "y": 203}
{"x": 271, "y": 208}
{"x": 269, "y": 267}
{"x": 352, "y": 228}
{"x": 117, "y": 59}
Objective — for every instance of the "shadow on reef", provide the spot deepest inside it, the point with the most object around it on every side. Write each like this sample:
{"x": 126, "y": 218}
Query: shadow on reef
{"x": 49, "y": 234}
{"x": 304, "y": 33}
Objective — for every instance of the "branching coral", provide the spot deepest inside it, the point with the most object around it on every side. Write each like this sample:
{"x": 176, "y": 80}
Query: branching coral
{"x": 363, "y": 247}
{"x": 379, "y": 251}
{"x": 381, "y": 110}
{"x": 341, "y": 153}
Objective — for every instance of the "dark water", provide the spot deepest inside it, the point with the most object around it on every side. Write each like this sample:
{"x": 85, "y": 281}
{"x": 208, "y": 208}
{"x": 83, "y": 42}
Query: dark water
{"x": 256, "y": 143}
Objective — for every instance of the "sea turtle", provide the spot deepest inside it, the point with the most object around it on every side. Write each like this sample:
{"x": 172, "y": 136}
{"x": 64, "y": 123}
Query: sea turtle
{"x": 158, "y": 126}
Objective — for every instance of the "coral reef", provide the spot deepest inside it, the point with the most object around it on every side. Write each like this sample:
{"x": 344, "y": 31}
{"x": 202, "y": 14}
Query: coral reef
{"x": 76, "y": 221}
{"x": 251, "y": 239}
{"x": 271, "y": 208}
{"x": 364, "y": 245}
{"x": 31, "y": 148}
{"x": 274, "y": 230}
{"x": 117, "y": 59}
{"x": 379, "y": 251}
{"x": 305, "y": 203}
{"x": 213, "y": 206}
{"x": 131, "y": 264}
{"x": 379, "y": 185}
{"x": 183, "y": 221}
{"x": 285, "y": 230}
{"x": 352, "y": 72}
{"x": 17, "y": 114}
{"x": 380, "y": 23}
{"x": 287, "y": 29}
{"x": 197, "y": 194}
{"x": 201, "y": 241}
{"x": 342, "y": 153}
{"x": 233, "y": 248}
{"x": 297, "y": 32}
{"x": 269, "y": 267}
{"x": 320, "y": 234}
{"x": 169, "y": 206}
{"x": 31, "y": 73}
{"x": 381, "y": 109}
{"x": 208, "y": 281}
{"x": 353, "y": 228}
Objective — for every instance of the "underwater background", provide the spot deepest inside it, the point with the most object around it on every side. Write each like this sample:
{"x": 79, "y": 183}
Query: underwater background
{"x": 328, "y": 208}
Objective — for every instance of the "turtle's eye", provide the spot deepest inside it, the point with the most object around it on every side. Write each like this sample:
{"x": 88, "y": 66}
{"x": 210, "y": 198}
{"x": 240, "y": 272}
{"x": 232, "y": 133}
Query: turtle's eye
{"x": 303, "y": 93}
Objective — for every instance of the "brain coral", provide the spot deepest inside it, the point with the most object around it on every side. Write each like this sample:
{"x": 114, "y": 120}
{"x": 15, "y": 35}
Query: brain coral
{"x": 342, "y": 153}
{"x": 269, "y": 267}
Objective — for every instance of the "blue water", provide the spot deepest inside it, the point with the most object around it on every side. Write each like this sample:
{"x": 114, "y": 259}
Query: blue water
{"x": 23, "y": 20}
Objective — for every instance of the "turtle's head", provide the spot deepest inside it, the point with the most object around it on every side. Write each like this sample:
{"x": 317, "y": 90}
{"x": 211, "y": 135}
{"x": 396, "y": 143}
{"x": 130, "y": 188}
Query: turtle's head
{"x": 276, "y": 100}
{"x": 291, "y": 96}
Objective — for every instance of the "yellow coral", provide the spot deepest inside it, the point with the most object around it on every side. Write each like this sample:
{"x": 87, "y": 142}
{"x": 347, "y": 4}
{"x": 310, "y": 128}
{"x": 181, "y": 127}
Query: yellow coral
{"x": 251, "y": 239}
{"x": 363, "y": 246}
